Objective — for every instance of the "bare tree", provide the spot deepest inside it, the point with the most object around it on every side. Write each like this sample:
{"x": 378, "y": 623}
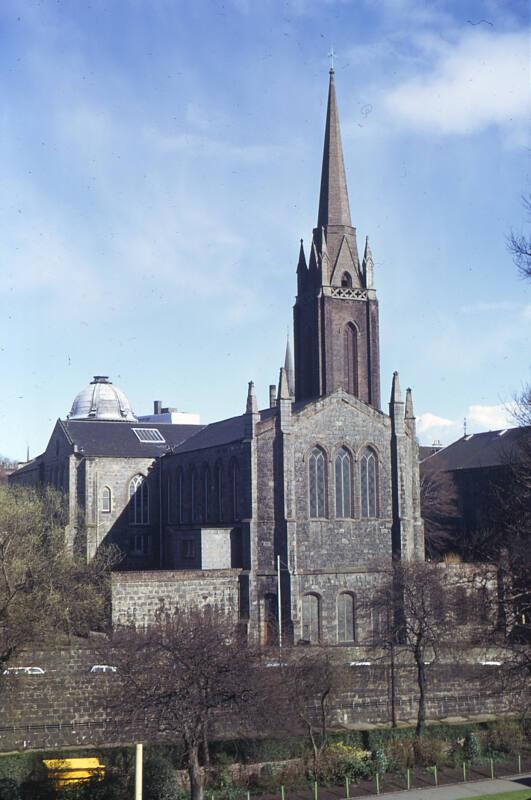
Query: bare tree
{"x": 303, "y": 696}
{"x": 418, "y": 610}
{"x": 189, "y": 673}
{"x": 520, "y": 245}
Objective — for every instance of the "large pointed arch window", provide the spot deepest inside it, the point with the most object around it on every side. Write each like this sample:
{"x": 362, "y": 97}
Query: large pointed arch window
{"x": 350, "y": 347}
{"x": 139, "y": 501}
{"x": 343, "y": 472}
{"x": 346, "y": 622}
{"x": 106, "y": 500}
{"x": 205, "y": 491}
{"x": 317, "y": 483}
{"x": 219, "y": 491}
{"x": 193, "y": 495}
{"x": 369, "y": 484}
{"x": 235, "y": 489}
{"x": 179, "y": 495}
{"x": 311, "y": 618}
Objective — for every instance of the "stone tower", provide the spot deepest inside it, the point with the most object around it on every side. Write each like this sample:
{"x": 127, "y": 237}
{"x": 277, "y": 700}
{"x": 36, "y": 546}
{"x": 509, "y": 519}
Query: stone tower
{"x": 336, "y": 310}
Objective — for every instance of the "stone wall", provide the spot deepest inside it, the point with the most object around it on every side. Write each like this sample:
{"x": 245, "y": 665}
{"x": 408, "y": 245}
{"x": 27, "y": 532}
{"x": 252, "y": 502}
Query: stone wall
{"x": 137, "y": 597}
{"x": 69, "y": 706}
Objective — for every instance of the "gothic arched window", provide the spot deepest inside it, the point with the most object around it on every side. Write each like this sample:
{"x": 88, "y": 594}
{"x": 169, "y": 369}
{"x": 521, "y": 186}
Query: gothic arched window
{"x": 346, "y": 621}
{"x": 311, "y": 618}
{"x": 369, "y": 484}
{"x": 346, "y": 280}
{"x": 219, "y": 491}
{"x": 351, "y": 359}
{"x": 139, "y": 501}
{"x": 106, "y": 499}
{"x": 235, "y": 489}
{"x": 270, "y": 619}
{"x": 193, "y": 495}
{"x": 206, "y": 492}
{"x": 317, "y": 483}
{"x": 343, "y": 484}
{"x": 179, "y": 495}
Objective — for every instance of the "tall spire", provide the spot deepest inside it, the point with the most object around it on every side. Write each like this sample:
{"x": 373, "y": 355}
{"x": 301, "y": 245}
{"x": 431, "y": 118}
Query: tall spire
{"x": 333, "y": 201}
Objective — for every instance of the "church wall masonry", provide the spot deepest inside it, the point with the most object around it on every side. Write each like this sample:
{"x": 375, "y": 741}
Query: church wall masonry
{"x": 139, "y": 597}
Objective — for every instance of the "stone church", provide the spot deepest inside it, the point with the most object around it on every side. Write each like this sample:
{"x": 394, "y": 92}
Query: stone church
{"x": 307, "y": 500}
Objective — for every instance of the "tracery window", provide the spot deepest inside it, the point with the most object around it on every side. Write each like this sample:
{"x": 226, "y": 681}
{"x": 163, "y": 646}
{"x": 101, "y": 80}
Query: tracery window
{"x": 317, "y": 483}
{"x": 193, "y": 495}
{"x": 311, "y": 618}
{"x": 139, "y": 501}
{"x": 369, "y": 484}
{"x": 219, "y": 491}
{"x": 351, "y": 359}
{"x": 346, "y": 623}
{"x": 235, "y": 489}
{"x": 106, "y": 500}
{"x": 179, "y": 495}
{"x": 343, "y": 483}
{"x": 206, "y": 492}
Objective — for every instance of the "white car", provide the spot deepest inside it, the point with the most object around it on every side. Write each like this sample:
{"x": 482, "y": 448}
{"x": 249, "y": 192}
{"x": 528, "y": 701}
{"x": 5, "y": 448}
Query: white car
{"x": 23, "y": 671}
{"x": 99, "y": 668}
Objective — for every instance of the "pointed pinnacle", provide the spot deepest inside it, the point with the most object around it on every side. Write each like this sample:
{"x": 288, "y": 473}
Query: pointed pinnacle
{"x": 409, "y": 405}
{"x": 283, "y": 386}
{"x": 368, "y": 253}
{"x": 301, "y": 266}
{"x": 288, "y": 367}
{"x": 252, "y": 405}
{"x": 395, "y": 389}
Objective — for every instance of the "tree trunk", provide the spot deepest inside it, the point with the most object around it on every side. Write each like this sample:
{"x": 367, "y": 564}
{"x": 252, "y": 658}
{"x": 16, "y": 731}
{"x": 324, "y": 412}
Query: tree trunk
{"x": 206, "y": 748}
{"x": 393, "y": 686}
{"x": 315, "y": 750}
{"x": 195, "y": 773}
{"x": 422, "y": 684}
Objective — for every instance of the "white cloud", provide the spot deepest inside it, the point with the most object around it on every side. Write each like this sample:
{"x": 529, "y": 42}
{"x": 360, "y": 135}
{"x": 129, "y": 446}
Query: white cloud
{"x": 428, "y": 421}
{"x": 490, "y": 418}
{"x": 478, "y": 81}
{"x": 431, "y": 427}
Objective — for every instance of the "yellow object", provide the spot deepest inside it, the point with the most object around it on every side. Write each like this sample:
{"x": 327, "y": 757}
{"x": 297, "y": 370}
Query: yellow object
{"x": 68, "y": 771}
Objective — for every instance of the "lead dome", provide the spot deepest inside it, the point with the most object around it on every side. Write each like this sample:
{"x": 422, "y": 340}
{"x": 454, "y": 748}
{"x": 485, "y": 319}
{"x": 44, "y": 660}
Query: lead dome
{"x": 102, "y": 400}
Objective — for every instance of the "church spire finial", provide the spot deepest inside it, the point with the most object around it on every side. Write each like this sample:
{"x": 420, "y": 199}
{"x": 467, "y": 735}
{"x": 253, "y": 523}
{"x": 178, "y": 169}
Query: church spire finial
{"x": 333, "y": 200}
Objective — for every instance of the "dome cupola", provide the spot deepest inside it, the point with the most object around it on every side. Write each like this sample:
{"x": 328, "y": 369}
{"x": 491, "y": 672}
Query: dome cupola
{"x": 102, "y": 400}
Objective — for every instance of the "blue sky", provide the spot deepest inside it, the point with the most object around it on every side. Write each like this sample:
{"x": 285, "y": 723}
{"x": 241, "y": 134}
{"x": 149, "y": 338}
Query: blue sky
{"x": 160, "y": 160}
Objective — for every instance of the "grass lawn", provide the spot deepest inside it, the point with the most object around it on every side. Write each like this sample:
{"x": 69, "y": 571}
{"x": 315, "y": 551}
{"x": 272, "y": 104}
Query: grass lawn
{"x": 521, "y": 794}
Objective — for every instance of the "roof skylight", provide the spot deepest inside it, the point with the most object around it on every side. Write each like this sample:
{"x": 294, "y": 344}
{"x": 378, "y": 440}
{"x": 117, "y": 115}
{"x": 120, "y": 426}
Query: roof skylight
{"x": 148, "y": 435}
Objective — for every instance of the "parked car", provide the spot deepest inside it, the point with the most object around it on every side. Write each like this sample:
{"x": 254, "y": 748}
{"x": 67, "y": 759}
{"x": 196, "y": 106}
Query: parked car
{"x": 99, "y": 668}
{"x": 23, "y": 671}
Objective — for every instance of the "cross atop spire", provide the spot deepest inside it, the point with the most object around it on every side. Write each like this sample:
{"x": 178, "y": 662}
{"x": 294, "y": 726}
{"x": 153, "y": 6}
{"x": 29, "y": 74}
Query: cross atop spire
{"x": 333, "y": 200}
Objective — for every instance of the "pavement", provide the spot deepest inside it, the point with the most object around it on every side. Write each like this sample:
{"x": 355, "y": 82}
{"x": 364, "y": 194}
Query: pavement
{"x": 470, "y": 789}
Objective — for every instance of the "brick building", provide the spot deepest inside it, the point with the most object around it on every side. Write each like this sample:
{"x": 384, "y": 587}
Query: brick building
{"x": 313, "y": 496}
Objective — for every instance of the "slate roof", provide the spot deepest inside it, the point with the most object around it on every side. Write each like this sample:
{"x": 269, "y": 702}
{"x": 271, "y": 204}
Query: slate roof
{"x": 215, "y": 434}
{"x": 490, "y": 449}
{"x": 219, "y": 433}
{"x": 98, "y": 438}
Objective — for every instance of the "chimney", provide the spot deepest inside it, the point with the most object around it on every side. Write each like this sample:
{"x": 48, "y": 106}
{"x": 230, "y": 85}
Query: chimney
{"x": 272, "y": 395}
{"x": 157, "y": 407}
